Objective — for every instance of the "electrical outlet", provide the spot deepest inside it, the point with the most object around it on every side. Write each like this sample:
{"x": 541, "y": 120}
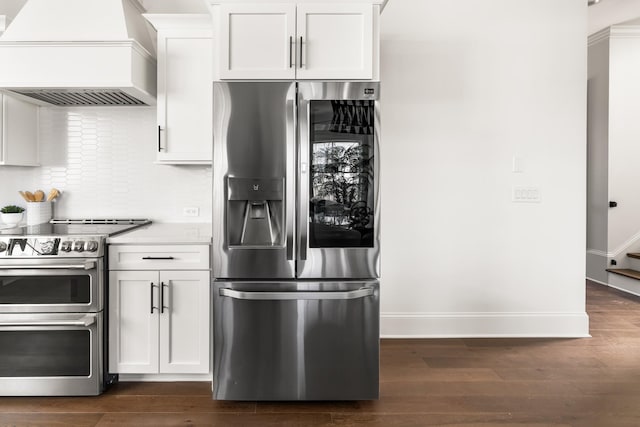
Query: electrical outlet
{"x": 192, "y": 211}
{"x": 526, "y": 195}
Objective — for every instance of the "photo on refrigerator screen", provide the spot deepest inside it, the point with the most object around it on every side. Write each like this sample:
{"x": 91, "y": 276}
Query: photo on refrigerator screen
{"x": 342, "y": 174}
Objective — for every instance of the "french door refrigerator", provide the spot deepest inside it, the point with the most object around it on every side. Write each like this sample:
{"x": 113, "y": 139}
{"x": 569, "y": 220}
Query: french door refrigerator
{"x": 296, "y": 241}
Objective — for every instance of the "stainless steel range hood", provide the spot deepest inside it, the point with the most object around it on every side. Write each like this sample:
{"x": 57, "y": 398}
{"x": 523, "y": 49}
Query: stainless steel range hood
{"x": 79, "y": 52}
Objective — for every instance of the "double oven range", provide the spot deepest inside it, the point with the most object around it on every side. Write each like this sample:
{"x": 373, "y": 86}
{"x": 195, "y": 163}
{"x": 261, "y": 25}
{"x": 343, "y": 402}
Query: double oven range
{"x": 53, "y": 296}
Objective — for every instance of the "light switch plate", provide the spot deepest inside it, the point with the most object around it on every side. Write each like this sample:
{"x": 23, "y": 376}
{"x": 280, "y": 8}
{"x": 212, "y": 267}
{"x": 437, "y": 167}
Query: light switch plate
{"x": 517, "y": 164}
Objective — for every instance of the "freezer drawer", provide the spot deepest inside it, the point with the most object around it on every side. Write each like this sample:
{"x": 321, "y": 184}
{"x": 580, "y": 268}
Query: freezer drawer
{"x": 296, "y": 340}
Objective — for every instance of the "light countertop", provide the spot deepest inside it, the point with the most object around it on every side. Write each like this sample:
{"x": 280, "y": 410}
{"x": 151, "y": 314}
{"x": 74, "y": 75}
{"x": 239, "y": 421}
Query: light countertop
{"x": 165, "y": 233}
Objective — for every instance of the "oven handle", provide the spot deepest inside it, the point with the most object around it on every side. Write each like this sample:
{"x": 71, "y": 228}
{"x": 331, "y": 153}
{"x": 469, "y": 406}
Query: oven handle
{"x": 296, "y": 295}
{"x": 89, "y": 265}
{"x": 85, "y": 321}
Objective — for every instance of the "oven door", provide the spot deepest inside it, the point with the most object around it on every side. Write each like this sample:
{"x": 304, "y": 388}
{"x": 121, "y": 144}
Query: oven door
{"x": 51, "y": 354}
{"x": 51, "y": 285}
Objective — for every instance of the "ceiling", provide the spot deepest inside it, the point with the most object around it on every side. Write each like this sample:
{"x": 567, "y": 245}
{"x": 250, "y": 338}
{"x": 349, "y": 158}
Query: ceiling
{"x": 611, "y": 12}
{"x": 601, "y": 15}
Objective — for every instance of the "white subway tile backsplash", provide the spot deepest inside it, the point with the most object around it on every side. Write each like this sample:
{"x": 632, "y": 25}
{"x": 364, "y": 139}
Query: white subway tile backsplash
{"x": 102, "y": 160}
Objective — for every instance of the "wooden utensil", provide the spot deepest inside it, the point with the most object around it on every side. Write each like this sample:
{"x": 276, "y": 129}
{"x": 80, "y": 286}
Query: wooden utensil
{"x": 38, "y": 195}
{"x": 24, "y": 196}
{"x": 30, "y": 196}
{"x": 53, "y": 194}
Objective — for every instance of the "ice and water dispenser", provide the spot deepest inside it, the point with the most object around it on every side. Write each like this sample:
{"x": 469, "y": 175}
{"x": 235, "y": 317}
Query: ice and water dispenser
{"x": 255, "y": 212}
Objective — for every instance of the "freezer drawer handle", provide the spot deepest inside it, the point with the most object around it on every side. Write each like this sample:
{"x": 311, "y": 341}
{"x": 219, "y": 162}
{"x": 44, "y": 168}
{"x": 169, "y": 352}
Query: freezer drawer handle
{"x": 359, "y": 293}
{"x": 84, "y": 321}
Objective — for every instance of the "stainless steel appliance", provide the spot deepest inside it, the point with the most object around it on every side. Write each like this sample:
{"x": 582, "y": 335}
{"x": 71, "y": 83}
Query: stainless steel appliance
{"x": 52, "y": 307}
{"x": 296, "y": 241}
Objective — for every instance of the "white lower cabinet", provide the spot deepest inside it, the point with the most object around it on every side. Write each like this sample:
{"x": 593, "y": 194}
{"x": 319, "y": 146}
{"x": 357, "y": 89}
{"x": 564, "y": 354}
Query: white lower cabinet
{"x": 159, "y": 322}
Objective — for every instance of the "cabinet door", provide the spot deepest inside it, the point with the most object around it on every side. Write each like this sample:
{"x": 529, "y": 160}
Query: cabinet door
{"x": 337, "y": 41}
{"x": 18, "y": 132}
{"x": 133, "y": 322}
{"x": 257, "y": 41}
{"x": 184, "y": 322}
{"x": 184, "y": 96}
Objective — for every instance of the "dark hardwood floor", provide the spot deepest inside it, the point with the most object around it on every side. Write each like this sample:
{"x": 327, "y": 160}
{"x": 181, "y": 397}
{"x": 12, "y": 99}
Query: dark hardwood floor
{"x": 481, "y": 382}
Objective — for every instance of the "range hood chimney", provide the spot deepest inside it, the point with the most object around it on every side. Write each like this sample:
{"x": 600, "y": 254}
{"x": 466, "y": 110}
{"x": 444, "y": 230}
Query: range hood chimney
{"x": 79, "y": 52}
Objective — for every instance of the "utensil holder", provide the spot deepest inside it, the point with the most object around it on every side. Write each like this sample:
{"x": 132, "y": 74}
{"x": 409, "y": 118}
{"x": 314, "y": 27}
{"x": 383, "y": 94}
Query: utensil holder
{"x": 38, "y": 212}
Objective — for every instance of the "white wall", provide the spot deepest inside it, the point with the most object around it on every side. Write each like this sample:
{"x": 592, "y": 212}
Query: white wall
{"x": 611, "y": 12}
{"x": 624, "y": 136}
{"x": 598, "y": 158}
{"x": 467, "y": 85}
{"x": 462, "y": 94}
{"x": 613, "y": 134}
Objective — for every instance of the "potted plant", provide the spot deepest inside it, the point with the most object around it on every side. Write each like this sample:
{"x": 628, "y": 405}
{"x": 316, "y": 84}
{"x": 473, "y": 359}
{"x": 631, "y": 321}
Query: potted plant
{"x": 11, "y": 214}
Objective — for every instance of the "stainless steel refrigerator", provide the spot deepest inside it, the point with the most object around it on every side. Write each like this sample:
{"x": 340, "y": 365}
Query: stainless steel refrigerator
{"x": 296, "y": 240}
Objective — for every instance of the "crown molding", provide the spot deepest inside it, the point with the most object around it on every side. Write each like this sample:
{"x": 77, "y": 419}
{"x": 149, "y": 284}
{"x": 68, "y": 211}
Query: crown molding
{"x": 601, "y": 35}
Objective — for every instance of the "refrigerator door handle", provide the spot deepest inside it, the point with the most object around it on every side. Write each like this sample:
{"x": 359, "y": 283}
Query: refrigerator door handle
{"x": 304, "y": 214}
{"x": 303, "y": 185}
{"x": 290, "y": 204}
{"x": 246, "y": 295}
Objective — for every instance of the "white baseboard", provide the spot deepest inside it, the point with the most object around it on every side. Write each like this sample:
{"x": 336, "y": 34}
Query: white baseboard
{"x": 625, "y": 284}
{"x": 484, "y": 325}
{"x": 591, "y": 279}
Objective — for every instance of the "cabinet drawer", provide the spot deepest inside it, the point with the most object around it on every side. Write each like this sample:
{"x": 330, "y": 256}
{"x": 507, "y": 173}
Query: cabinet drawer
{"x": 159, "y": 257}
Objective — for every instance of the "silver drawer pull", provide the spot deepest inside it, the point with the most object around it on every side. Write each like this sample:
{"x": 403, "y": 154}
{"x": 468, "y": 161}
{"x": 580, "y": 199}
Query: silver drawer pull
{"x": 158, "y": 257}
{"x": 245, "y": 295}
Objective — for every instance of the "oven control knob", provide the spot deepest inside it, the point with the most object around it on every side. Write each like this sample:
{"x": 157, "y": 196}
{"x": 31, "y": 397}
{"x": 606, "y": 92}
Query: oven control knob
{"x": 3, "y": 246}
{"x": 92, "y": 246}
{"x": 47, "y": 247}
{"x": 65, "y": 246}
{"x": 78, "y": 246}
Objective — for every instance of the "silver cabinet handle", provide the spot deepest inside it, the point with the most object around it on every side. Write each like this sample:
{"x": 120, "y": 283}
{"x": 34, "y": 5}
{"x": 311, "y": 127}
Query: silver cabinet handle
{"x": 249, "y": 295}
{"x": 84, "y": 321}
{"x": 290, "y": 51}
{"x": 162, "y": 306}
{"x": 151, "y": 297}
{"x": 160, "y": 148}
{"x": 89, "y": 265}
{"x": 301, "y": 63}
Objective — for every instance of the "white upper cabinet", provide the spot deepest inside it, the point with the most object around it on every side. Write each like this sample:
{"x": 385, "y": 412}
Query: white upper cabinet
{"x": 18, "y": 132}
{"x": 184, "y": 88}
{"x": 257, "y": 40}
{"x": 296, "y": 40}
{"x": 335, "y": 41}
